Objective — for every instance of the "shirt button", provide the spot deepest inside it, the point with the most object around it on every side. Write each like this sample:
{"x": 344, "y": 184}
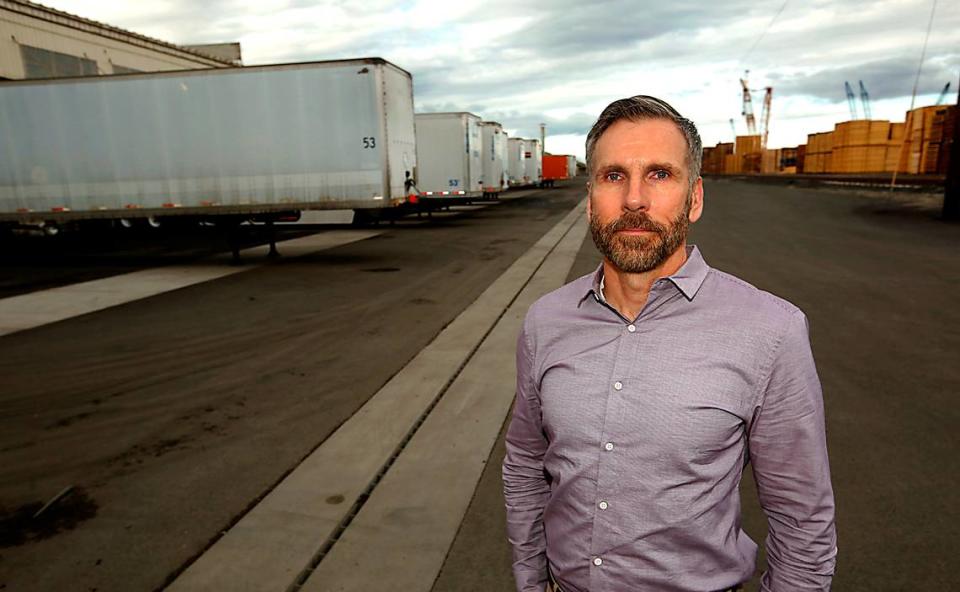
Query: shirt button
{"x": 597, "y": 561}
{"x": 632, "y": 328}
{"x": 603, "y": 505}
{"x": 608, "y": 446}
{"x": 618, "y": 386}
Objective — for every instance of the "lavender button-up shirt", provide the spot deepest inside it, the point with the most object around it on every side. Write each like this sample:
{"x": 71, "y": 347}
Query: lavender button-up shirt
{"x": 629, "y": 438}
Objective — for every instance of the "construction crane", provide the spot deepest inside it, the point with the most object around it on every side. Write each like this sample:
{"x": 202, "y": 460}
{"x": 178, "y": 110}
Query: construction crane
{"x": 747, "y": 110}
{"x": 865, "y": 101}
{"x": 733, "y": 128}
{"x": 851, "y": 100}
{"x": 943, "y": 94}
{"x": 765, "y": 116}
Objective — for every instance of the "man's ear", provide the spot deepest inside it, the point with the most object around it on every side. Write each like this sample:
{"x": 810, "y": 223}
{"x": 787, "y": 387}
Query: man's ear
{"x": 696, "y": 200}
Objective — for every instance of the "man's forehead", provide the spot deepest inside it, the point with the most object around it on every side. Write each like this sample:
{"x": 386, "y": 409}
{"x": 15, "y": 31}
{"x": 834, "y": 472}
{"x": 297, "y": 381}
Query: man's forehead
{"x": 657, "y": 139}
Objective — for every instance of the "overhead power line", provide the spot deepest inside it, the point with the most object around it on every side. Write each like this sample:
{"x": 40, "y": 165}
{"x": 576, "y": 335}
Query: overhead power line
{"x": 764, "y": 32}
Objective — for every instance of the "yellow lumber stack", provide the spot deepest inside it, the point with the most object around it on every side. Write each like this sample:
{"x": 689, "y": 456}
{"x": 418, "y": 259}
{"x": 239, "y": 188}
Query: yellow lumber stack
{"x": 747, "y": 150}
{"x": 818, "y": 158}
{"x": 731, "y": 164}
{"x": 770, "y": 162}
{"x": 927, "y": 131}
{"x": 860, "y": 146}
{"x": 894, "y": 147}
{"x": 936, "y": 155}
{"x": 713, "y": 158}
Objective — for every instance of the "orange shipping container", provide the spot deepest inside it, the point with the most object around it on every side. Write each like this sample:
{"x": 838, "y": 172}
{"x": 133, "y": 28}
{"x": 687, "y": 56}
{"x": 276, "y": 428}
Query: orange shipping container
{"x": 554, "y": 167}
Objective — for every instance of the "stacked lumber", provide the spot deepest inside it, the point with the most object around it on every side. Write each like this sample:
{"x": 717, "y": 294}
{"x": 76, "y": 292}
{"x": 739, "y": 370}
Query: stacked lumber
{"x": 860, "y": 146}
{"x": 713, "y": 158}
{"x": 819, "y": 153}
{"x": 747, "y": 149}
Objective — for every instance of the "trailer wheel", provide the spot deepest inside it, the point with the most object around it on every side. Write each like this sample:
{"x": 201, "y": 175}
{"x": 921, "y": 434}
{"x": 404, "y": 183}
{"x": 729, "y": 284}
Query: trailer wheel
{"x": 363, "y": 218}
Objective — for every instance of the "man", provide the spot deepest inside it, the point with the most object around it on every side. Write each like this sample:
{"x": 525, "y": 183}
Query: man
{"x": 643, "y": 390}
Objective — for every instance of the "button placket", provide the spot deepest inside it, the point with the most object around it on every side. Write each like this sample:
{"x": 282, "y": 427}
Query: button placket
{"x": 625, "y": 351}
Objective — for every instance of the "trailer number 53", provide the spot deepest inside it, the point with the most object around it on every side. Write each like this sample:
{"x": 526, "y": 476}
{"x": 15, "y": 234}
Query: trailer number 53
{"x": 369, "y": 142}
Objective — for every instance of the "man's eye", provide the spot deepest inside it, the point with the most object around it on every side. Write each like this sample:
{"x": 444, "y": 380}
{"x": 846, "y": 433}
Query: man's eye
{"x": 614, "y": 176}
{"x": 661, "y": 175}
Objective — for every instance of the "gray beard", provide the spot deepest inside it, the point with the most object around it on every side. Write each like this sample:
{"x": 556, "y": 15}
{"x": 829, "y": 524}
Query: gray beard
{"x": 639, "y": 254}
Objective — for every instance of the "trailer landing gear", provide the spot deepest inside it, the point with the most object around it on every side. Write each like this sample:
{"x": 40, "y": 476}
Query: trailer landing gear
{"x": 273, "y": 253}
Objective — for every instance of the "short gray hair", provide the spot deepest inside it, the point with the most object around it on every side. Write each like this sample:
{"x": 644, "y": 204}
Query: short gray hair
{"x": 643, "y": 107}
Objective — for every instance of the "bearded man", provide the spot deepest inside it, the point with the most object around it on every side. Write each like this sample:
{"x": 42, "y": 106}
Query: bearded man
{"x": 645, "y": 388}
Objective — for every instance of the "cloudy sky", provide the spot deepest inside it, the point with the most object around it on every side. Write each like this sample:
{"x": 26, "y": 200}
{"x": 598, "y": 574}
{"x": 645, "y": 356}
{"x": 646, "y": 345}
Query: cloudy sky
{"x": 561, "y": 62}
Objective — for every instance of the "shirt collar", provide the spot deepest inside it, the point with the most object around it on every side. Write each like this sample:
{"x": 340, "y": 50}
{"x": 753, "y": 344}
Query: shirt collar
{"x": 687, "y": 279}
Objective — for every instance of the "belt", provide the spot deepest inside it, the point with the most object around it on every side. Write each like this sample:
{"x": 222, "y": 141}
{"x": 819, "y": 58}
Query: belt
{"x": 553, "y": 586}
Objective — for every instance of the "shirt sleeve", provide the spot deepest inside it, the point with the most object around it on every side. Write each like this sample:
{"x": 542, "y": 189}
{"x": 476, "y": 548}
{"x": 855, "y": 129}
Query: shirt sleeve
{"x": 525, "y": 487}
{"x": 788, "y": 449}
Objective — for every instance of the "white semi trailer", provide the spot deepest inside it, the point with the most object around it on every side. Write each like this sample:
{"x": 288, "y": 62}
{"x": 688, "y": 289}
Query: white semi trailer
{"x": 533, "y": 161}
{"x": 515, "y": 163}
{"x": 450, "y": 168}
{"x": 571, "y": 166}
{"x": 235, "y": 143}
{"x": 493, "y": 153}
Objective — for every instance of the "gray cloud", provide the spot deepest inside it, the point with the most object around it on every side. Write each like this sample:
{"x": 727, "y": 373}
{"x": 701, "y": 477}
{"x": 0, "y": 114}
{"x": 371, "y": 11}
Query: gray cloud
{"x": 883, "y": 78}
{"x": 567, "y": 29}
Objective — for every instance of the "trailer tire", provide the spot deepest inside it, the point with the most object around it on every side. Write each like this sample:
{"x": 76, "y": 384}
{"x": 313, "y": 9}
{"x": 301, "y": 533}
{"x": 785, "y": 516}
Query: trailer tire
{"x": 363, "y": 218}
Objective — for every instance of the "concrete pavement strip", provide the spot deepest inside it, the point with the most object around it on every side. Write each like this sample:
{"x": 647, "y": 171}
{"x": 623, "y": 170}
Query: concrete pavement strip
{"x": 401, "y": 535}
{"x": 27, "y": 311}
{"x": 279, "y": 540}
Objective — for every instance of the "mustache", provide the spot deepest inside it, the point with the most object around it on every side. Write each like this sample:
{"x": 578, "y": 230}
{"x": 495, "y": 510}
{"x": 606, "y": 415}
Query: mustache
{"x": 635, "y": 221}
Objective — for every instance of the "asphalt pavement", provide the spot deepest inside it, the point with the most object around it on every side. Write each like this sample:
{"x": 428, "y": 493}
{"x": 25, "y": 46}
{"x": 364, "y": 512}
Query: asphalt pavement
{"x": 171, "y": 415}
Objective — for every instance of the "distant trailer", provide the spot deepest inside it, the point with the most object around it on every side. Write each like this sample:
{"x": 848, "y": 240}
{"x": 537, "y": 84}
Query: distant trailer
{"x": 515, "y": 164}
{"x": 532, "y": 161}
{"x": 554, "y": 169}
{"x": 493, "y": 153}
{"x": 571, "y": 166}
{"x": 448, "y": 152}
{"x": 240, "y": 142}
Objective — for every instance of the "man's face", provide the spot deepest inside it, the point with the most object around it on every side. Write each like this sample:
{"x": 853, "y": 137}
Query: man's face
{"x": 640, "y": 199}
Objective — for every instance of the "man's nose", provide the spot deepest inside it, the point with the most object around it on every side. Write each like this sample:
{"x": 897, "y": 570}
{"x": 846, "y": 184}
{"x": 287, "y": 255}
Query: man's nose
{"x": 637, "y": 196}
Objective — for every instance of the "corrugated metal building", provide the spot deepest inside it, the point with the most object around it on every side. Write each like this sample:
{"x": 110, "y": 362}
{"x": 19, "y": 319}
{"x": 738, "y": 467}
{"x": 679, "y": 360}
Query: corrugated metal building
{"x": 40, "y": 42}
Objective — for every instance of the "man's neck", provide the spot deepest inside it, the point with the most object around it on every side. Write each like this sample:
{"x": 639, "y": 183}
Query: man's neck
{"x": 627, "y": 292}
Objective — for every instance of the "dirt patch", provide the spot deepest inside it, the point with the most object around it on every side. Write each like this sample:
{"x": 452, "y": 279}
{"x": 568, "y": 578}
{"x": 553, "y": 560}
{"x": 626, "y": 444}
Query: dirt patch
{"x": 19, "y": 527}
